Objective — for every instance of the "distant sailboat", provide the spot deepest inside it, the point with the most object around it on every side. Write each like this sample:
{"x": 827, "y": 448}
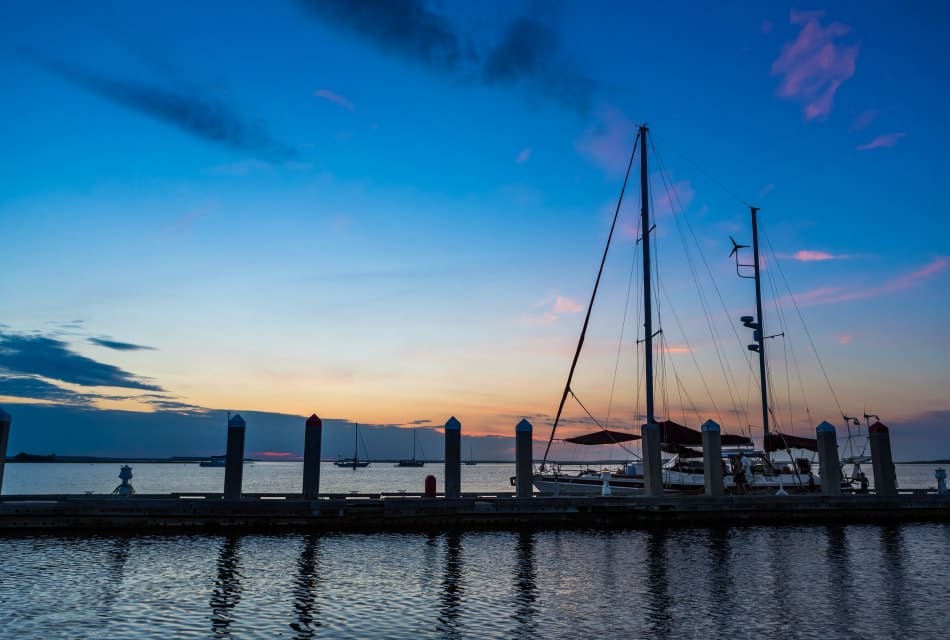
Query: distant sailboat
{"x": 354, "y": 462}
{"x": 412, "y": 462}
{"x": 471, "y": 458}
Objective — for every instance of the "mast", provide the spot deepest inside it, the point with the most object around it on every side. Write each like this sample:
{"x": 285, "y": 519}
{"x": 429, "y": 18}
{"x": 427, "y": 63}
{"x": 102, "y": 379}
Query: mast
{"x": 758, "y": 333}
{"x": 356, "y": 443}
{"x": 647, "y": 304}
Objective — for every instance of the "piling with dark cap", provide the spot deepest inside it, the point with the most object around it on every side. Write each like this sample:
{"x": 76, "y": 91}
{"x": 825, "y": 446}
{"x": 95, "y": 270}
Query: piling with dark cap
{"x": 234, "y": 467}
{"x": 828, "y": 465}
{"x": 652, "y": 460}
{"x": 524, "y": 459}
{"x": 453, "y": 458}
{"x": 712, "y": 458}
{"x": 313, "y": 441}
{"x": 5, "y": 420}
{"x": 882, "y": 461}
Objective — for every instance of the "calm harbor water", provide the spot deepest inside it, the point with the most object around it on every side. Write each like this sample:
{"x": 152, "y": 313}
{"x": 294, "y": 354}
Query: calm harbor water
{"x": 859, "y": 581}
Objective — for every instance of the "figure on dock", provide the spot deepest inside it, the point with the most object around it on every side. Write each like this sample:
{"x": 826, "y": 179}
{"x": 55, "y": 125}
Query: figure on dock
{"x": 125, "y": 489}
{"x": 863, "y": 479}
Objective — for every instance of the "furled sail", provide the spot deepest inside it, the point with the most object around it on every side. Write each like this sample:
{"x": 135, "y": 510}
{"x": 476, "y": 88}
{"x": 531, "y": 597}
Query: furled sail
{"x": 780, "y": 441}
{"x": 675, "y": 434}
{"x": 604, "y": 436}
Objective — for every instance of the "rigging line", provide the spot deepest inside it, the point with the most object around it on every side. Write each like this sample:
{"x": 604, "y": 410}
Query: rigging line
{"x": 658, "y": 351}
{"x": 727, "y": 376}
{"x": 590, "y": 307}
{"x": 590, "y": 415}
{"x": 623, "y": 326}
{"x": 702, "y": 255}
{"x": 717, "y": 182}
{"x": 783, "y": 325}
{"x": 805, "y": 326}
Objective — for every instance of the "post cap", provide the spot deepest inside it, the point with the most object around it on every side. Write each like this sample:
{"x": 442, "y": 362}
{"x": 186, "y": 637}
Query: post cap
{"x": 524, "y": 425}
{"x": 453, "y": 424}
{"x": 236, "y": 421}
{"x": 711, "y": 426}
{"x": 4, "y": 416}
{"x": 878, "y": 427}
{"x": 825, "y": 427}
{"x": 314, "y": 421}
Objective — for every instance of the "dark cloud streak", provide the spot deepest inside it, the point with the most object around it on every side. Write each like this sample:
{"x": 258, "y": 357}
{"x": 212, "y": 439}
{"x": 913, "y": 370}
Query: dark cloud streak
{"x": 119, "y": 346}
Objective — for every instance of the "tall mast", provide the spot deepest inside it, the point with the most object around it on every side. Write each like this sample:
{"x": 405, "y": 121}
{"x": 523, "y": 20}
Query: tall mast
{"x": 647, "y": 303}
{"x": 758, "y": 333}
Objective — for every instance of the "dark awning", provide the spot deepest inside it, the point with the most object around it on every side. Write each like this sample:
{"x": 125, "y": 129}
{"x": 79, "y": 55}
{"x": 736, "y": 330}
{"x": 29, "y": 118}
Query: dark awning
{"x": 677, "y": 434}
{"x": 681, "y": 451}
{"x": 604, "y": 436}
{"x": 781, "y": 441}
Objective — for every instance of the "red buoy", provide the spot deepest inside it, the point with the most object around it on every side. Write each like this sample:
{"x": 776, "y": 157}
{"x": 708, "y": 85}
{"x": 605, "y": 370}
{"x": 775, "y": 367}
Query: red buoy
{"x": 430, "y": 486}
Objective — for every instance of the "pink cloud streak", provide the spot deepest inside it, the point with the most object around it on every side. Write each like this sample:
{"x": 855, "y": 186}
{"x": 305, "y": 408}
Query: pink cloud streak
{"x": 335, "y": 98}
{"x": 882, "y": 141}
{"x": 607, "y": 143}
{"x": 830, "y": 295}
{"x": 806, "y": 255}
{"x": 814, "y": 66}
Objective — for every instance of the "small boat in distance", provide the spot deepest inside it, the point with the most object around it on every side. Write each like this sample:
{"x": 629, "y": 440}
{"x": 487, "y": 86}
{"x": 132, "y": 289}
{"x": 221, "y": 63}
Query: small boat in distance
{"x": 214, "y": 461}
{"x": 354, "y": 462}
{"x": 471, "y": 458}
{"x": 412, "y": 462}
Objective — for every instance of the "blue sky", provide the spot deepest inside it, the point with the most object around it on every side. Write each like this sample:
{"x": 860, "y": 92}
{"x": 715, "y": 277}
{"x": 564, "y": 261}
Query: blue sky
{"x": 389, "y": 212}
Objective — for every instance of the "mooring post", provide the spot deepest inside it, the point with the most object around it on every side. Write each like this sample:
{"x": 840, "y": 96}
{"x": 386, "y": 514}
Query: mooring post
{"x": 712, "y": 458}
{"x": 941, "y": 475}
{"x": 453, "y": 458}
{"x": 5, "y": 420}
{"x": 312, "y": 444}
{"x": 524, "y": 459}
{"x": 234, "y": 467}
{"x": 828, "y": 464}
{"x": 882, "y": 461}
{"x": 652, "y": 461}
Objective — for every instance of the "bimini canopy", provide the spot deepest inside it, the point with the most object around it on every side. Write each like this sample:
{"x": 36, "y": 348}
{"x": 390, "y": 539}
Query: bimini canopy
{"x": 604, "y": 436}
{"x": 677, "y": 435}
{"x": 781, "y": 442}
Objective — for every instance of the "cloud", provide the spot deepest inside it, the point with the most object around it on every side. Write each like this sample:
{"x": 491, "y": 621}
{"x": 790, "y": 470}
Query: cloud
{"x": 201, "y": 116}
{"x": 881, "y": 142}
{"x": 608, "y": 142}
{"x": 564, "y": 305}
{"x": 814, "y": 66}
{"x": 552, "y": 311}
{"x": 675, "y": 196}
{"x": 845, "y": 338}
{"x": 37, "y": 389}
{"x": 119, "y": 346}
{"x": 421, "y": 421}
{"x": 527, "y": 52}
{"x": 335, "y": 98}
{"x": 36, "y": 355}
{"x": 863, "y": 120}
{"x": 807, "y": 255}
{"x": 524, "y": 155}
{"x": 830, "y": 295}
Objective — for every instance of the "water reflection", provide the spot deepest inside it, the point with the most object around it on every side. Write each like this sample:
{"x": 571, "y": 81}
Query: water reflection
{"x": 526, "y": 587}
{"x": 659, "y": 621}
{"x": 840, "y": 578}
{"x": 718, "y": 580}
{"x": 116, "y": 559}
{"x": 227, "y": 588}
{"x": 452, "y": 592}
{"x": 305, "y": 589}
{"x": 893, "y": 554}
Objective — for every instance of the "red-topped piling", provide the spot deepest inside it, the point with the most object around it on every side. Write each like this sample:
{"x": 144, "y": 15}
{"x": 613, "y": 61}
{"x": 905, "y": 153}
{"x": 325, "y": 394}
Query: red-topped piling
{"x": 882, "y": 460}
{"x": 313, "y": 443}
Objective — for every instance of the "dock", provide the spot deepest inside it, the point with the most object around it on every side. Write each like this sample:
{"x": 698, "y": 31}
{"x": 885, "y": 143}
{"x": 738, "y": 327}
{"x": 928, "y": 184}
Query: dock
{"x": 412, "y": 512}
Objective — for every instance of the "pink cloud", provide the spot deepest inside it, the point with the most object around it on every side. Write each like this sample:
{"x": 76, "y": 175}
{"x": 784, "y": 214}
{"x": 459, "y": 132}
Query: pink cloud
{"x": 863, "y": 120}
{"x": 335, "y": 98}
{"x": 607, "y": 143}
{"x": 566, "y": 305}
{"x": 806, "y": 255}
{"x": 560, "y": 306}
{"x": 814, "y": 66}
{"x": 524, "y": 155}
{"x": 882, "y": 141}
{"x": 844, "y": 339}
{"x": 675, "y": 196}
{"x": 829, "y": 295}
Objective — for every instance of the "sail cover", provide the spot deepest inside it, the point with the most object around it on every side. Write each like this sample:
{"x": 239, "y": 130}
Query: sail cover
{"x": 676, "y": 434}
{"x": 781, "y": 441}
{"x": 604, "y": 436}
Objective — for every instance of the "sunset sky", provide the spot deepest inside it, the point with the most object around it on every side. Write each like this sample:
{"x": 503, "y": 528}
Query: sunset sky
{"x": 393, "y": 212}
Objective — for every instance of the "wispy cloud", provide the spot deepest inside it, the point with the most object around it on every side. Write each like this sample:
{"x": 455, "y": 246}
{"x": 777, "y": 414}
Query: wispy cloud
{"x": 335, "y": 98}
{"x": 523, "y": 156}
{"x": 675, "y": 197}
{"x": 808, "y": 255}
{"x": 564, "y": 305}
{"x": 119, "y": 346}
{"x": 909, "y": 280}
{"x": 608, "y": 142}
{"x": 845, "y": 338}
{"x": 814, "y": 66}
{"x": 551, "y": 311}
{"x": 202, "y": 116}
{"x": 882, "y": 141}
{"x": 863, "y": 120}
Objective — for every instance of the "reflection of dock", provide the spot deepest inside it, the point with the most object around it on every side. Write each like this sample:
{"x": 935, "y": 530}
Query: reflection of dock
{"x": 400, "y": 512}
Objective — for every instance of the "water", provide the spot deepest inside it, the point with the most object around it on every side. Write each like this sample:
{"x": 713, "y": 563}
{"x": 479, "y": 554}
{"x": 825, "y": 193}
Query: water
{"x": 756, "y": 582}
{"x": 286, "y": 477}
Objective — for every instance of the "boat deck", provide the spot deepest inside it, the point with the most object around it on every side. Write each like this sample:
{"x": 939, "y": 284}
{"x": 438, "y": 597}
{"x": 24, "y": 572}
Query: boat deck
{"x": 405, "y": 512}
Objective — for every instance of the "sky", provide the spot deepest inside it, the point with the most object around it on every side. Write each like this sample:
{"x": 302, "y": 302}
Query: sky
{"x": 392, "y": 212}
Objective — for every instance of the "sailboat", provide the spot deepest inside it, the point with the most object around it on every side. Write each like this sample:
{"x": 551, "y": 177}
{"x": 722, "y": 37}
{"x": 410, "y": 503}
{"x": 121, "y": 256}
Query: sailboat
{"x": 471, "y": 458}
{"x": 412, "y": 462}
{"x": 682, "y": 472}
{"x": 354, "y": 462}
